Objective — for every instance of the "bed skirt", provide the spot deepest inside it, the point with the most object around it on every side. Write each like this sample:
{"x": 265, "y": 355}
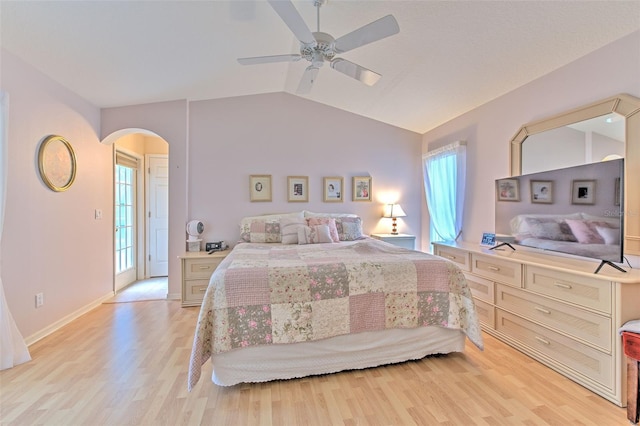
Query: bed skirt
{"x": 346, "y": 352}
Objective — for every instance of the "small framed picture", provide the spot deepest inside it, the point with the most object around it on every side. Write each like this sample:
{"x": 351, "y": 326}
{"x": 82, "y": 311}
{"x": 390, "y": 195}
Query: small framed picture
{"x": 508, "y": 189}
{"x": 260, "y": 187}
{"x": 488, "y": 239}
{"x": 542, "y": 191}
{"x": 333, "y": 189}
{"x": 583, "y": 192}
{"x": 298, "y": 188}
{"x": 361, "y": 188}
{"x": 616, "y": 192}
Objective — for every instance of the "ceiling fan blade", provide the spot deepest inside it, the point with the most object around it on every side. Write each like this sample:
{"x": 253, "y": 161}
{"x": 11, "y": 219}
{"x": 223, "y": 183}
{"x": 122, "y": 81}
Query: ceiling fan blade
{"x": 362, "y": 74}
{"x": 294, "y": 21}
{"x": 306, "y": 82}
{"x": 376, "y": 30}
{"x": 269, "y": 59}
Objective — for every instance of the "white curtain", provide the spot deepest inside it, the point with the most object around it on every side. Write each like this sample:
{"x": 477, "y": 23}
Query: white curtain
{"x": 13, "y": 349}
{"x": 445, "y": 171}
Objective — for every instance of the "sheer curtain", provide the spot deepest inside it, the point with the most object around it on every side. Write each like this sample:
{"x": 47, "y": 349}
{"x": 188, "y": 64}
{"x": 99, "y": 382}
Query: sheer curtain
{"x": 12, "y": 347}
{"x": 445, "y": 172}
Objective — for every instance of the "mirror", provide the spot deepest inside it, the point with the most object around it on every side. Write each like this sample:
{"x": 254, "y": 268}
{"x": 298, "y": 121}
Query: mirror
{"x": 623, "y": 109}
{"x": 585, "y": 142}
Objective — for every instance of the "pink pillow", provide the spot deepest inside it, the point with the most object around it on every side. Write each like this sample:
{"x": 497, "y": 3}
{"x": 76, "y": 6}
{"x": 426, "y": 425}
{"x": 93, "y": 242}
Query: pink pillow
{"x": 584, "y": 233}
{"x": 315, "y": 234}
{"x": 330, "y": 222}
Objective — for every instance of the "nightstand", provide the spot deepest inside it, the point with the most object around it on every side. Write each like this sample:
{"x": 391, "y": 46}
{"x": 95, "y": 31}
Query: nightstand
{"x": 197, "y": 267}
{"x": 401, "y": 240}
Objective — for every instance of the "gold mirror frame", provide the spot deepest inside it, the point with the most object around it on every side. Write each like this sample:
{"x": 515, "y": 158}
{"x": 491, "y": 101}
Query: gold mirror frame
{"x": 625, "y": 105}
{"x": 57, "y": 163}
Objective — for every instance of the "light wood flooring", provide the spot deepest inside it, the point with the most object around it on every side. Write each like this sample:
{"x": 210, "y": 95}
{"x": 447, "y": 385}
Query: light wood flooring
{"x": 126, "y": 364}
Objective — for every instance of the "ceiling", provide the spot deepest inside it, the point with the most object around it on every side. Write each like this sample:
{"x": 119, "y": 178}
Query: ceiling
{"x": 449, "y": 57}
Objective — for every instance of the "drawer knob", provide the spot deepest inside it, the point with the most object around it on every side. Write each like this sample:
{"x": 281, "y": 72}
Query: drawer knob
{"x": 494, "y": 268}
{"x": 202, "y": 290}
{"x": 205, "y": 267}
{"x": 544, "y": 311}
{"x": 450, "y": 257}
{"x": 541, "y": 340}
{"x": 562, "y": 285}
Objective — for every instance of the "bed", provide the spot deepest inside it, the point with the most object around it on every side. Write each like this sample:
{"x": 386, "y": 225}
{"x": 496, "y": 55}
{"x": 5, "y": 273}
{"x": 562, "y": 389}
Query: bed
{"x": 275, "y": 309}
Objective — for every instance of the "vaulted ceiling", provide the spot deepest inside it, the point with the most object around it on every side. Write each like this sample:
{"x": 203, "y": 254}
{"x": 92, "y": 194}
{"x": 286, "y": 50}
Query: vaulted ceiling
{"x": 448, "y": 58}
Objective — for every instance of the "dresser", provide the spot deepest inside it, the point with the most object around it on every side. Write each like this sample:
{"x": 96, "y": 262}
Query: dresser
{"x": 554, "y": 309}
{"x": 197, "y": 268}
{"x": 401, "y": 240}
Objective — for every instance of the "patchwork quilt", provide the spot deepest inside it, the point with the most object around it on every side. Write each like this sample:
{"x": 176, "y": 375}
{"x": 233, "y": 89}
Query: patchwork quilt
{"x": 266, "y": 294}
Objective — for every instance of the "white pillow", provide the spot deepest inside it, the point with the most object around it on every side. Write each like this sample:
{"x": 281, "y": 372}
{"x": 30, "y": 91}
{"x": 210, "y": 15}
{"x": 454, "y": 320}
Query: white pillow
{"x": 314, "y": 234}
{"x": 289, "y": 229}
{"x": 611, "y": 236}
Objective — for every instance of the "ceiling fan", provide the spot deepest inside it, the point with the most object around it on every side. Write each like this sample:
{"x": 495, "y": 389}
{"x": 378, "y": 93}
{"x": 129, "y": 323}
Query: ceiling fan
{"x": 319, "y": 47}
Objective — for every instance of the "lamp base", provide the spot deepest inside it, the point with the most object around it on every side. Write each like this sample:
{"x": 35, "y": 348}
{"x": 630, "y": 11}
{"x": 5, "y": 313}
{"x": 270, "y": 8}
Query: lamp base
{"x": 394, "y": 229}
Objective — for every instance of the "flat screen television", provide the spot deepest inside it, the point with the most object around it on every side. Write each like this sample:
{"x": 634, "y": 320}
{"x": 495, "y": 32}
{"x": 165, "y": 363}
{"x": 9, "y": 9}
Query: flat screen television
{"x": 575, "y": 210}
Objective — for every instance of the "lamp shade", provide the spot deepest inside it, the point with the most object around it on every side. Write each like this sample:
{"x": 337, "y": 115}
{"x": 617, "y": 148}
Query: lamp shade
{"x": 393, "y": 210}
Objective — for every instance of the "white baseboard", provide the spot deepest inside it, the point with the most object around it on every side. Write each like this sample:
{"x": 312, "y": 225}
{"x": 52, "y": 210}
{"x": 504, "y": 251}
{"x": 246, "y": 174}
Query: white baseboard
{"x": 66, "y": 320}
{"x": 174, "y": 296}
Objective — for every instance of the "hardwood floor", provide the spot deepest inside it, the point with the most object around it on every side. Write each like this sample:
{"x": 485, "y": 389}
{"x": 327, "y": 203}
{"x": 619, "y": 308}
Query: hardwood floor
{"x": 126, "y": 364}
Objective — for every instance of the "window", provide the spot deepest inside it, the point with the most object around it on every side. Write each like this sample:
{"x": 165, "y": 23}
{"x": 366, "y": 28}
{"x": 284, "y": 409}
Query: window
{"x": 444, "y": 183}
{"x": 125, "y": 184}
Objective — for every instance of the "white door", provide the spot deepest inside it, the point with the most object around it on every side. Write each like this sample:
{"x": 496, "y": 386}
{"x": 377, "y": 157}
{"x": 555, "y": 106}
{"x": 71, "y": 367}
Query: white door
{"x": 158, "y": 216}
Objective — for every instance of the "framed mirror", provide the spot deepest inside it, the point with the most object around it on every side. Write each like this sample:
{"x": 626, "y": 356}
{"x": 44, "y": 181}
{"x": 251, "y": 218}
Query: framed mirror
{"x": 624, "y": 111}
{"x": 57, "y": 163}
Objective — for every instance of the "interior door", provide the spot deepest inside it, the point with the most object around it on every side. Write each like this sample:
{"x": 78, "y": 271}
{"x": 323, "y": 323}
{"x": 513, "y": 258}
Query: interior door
{"x": 158, "y": 216}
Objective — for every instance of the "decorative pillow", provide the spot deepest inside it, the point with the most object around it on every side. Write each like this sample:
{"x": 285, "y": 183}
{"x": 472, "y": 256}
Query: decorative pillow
{"x": 314, "y": 234}
{"x": 584, "y": 233}
{"x": 349, "y": 228}
{"x": 549, "y": 229}
{"x": 611, "y": 236}
{"x": 265, "y": 231}
{"x": 245, "y": 223}
{"x": 289, "y": 229}
{"x": 330, "y": 222}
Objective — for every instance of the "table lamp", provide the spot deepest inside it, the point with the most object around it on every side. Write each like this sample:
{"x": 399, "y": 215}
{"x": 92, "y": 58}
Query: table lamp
{"x": 393, "y": 211}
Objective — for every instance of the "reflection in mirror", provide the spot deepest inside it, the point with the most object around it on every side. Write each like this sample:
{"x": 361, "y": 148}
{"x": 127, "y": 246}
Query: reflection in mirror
{"x": 584, "y": 142}
{"x": 574, "y": 210}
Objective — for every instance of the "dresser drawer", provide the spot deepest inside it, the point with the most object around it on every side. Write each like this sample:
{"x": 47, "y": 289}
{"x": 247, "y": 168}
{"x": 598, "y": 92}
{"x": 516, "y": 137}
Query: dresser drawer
{"x": 481, "y": 288}
{"x": 194, "y": 290}
{"x": 200, "y": 268}
{"x": 585, "y": 325}
{"x": 500, "y": 270}
{"x": 457, "y": 256}
{"x": 580, "y": 290}
{"x": 584, "y": 359}
{"x": 486, "y": 313}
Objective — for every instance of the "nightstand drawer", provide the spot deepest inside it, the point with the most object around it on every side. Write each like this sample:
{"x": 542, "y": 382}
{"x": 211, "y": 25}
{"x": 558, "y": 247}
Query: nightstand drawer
{"x": 585, "y": 325}
{"x": 459, "y": 257}
{"x": 194, "y": 290}
{"x": 200, "y": 268}
{"x": 497, "y": 269}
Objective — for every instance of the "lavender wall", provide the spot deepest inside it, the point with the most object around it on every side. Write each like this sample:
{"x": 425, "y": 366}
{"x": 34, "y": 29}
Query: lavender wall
{"x": 51, "y": 242}
{"x": 488, "y": 129}
{"x": 284, "y": 135}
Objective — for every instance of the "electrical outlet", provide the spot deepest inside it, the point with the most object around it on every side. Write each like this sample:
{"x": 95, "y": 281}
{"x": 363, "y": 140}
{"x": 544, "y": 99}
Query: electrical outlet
{"x": 39, "y": 299}
{"x": 98, "y": 214}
